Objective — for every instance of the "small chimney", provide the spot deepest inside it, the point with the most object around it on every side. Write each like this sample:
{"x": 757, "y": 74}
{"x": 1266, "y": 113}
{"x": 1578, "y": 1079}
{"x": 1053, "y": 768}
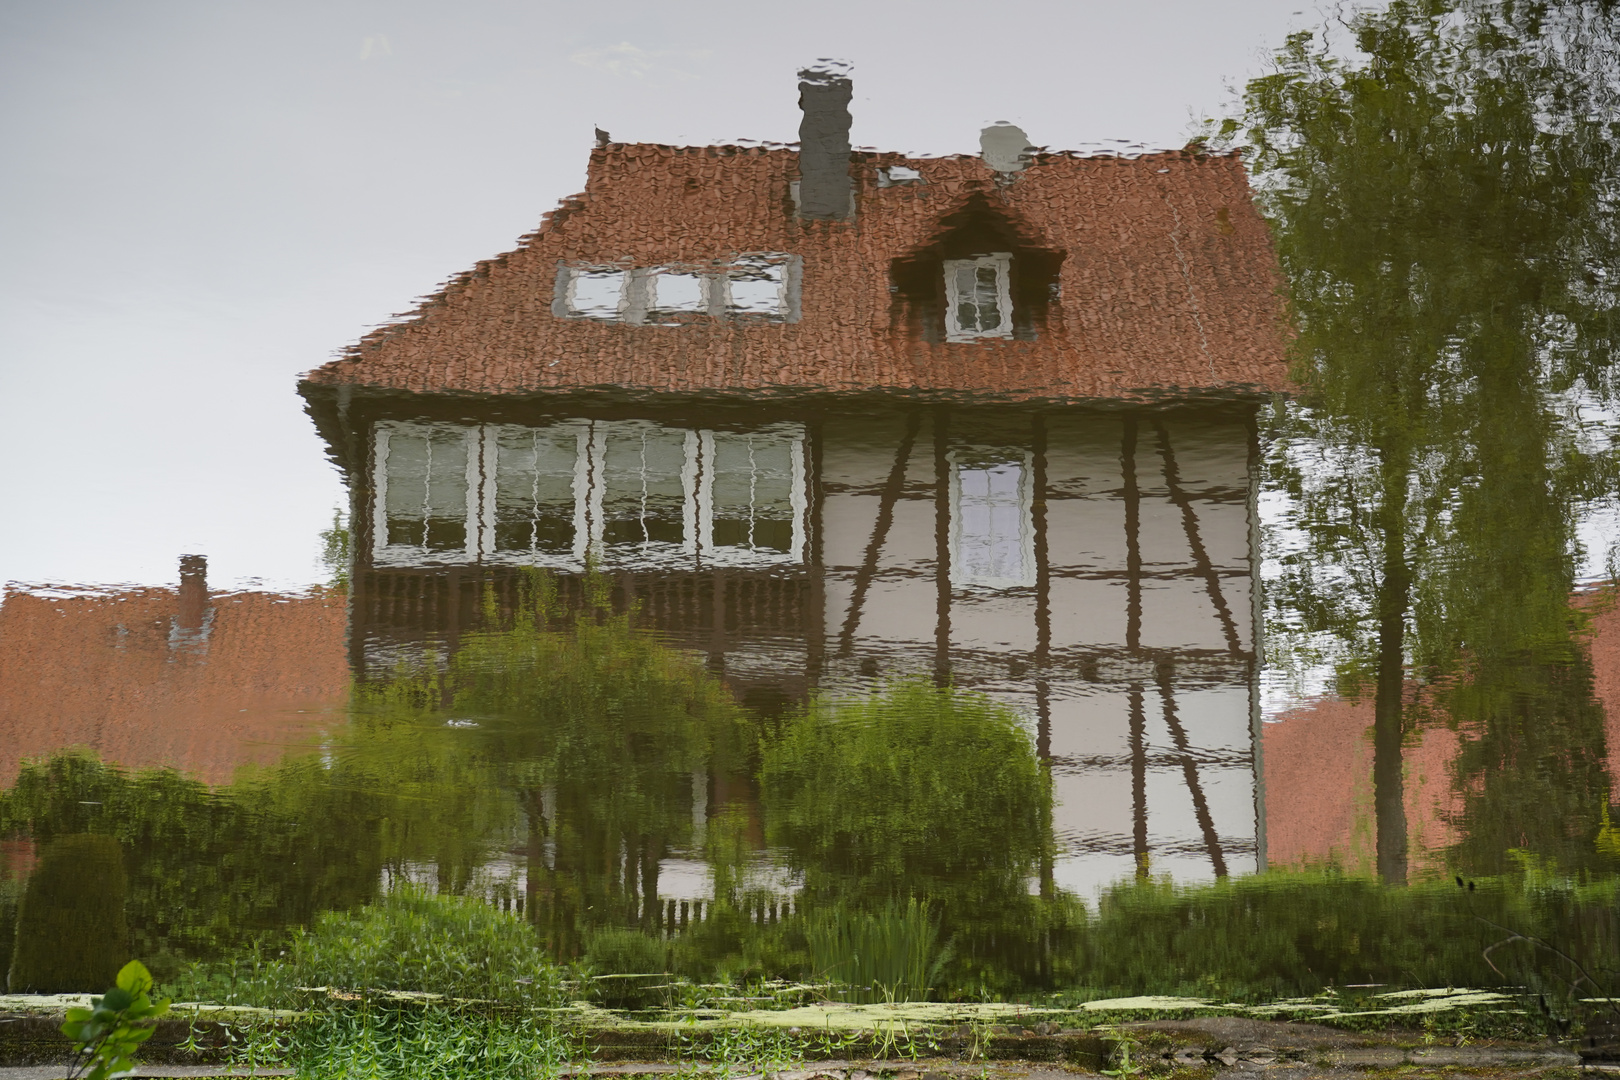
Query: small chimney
{"x": 824, "y": 185}
{"x": 193, "y": 594}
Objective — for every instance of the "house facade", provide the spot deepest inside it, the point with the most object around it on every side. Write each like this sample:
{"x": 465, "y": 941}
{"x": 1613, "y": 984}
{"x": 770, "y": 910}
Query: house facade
{"x": 830, "y": 417}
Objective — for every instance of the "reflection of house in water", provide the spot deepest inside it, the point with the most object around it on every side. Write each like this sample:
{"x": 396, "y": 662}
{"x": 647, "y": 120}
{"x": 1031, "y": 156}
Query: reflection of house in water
{"x": 835, "y": 416}
{"x": 188, "y": 679}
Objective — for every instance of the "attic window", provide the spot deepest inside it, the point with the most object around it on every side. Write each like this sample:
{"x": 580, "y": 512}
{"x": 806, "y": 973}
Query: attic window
{"x": 594, "y": 292}
{"x": 763, "y": 284}
{"x": 754, "y": 286}
{"x": 978, "y": 297}
{"x": 677, "y": 292}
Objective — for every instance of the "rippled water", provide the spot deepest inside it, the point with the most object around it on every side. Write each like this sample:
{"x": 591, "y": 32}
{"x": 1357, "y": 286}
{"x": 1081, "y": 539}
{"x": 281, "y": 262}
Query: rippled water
{"x": 1171, "y": 570}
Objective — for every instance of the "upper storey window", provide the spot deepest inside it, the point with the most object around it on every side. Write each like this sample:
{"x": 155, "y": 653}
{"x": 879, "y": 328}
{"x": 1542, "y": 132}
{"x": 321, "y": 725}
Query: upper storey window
{"x": 978, "y": 297}
{"x": 992, "y": 521}
{"x": 754, "y": 286}
{"x": 627, "y": 493}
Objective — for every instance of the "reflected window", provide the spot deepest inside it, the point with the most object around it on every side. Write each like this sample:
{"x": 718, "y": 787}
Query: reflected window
{"x": 752, "y": 501}
{"x": 992, "y": 525}
{"x": 763, "y": 285}
{"x": 676, "y": 292}
{"x": 591, "y": 292}
{"x": 535, "y": 517}
{"x": 422, "y": 484}
{"x": 978, "y": 297}
{"x": 633, "y": 492}
{"x": 642, "y": 489}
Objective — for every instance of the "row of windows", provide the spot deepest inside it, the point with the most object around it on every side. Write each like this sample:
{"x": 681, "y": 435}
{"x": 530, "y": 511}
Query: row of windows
{"x": 758, "y": 286}
{"x": 632, "y": 493}
{"x": 765, "y": 286}
{"x": 639, "y": 494}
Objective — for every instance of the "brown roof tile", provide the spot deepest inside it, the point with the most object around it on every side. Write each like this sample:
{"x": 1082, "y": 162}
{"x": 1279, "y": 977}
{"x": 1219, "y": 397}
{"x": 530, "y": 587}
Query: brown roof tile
{"x": 1168, "y": 283}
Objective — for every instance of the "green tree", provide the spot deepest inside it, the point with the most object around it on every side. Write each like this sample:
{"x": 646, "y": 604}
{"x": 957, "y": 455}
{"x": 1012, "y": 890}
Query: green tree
{"x": 1444, "y": 211}
{"x": 918, "y": 792}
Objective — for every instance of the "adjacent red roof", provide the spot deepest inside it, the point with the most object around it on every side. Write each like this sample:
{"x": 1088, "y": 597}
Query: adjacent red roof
{"x": 1168, "y": 283}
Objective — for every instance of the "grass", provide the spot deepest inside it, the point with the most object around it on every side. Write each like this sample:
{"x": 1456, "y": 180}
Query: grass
{"x": 893, "y": 954}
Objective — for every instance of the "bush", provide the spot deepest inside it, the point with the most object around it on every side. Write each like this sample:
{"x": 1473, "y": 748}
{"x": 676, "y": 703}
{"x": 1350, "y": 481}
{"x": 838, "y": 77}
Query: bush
{"x": 407, "y": 941}
{"x": 71, "y": 931}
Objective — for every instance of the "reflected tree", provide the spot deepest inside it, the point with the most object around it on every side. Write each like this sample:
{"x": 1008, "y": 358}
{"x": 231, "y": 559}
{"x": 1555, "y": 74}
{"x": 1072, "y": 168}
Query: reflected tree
{"x": 1444, "y": 210}
{"x": 919, "y": 792}
{"x": 608, "y": 740}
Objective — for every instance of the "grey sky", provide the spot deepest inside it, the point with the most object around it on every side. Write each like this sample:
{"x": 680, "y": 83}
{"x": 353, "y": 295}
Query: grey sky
{"x": 203, "y": 199}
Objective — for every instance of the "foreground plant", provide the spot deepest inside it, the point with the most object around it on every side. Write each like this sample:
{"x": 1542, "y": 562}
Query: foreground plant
{"x": 106, "y": 1035}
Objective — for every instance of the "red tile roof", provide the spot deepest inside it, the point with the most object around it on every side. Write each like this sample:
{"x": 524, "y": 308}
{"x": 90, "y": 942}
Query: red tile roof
{"x": 100, "y": 671}
{"x": 1168, "y": 283}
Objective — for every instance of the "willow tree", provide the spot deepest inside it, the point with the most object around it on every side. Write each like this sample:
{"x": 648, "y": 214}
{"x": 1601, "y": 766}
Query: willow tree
{"x": 1443, "y": 201}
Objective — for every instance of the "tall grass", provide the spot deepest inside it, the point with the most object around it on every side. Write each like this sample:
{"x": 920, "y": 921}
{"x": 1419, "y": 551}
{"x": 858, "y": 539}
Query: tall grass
{"x": 892, "y": 954}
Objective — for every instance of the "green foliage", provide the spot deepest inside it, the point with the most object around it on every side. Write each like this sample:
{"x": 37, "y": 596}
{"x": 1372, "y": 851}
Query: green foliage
{"x": 107, "y": 1035}
{"x": 405, "y": 941}
{"x": 337, "y": 552}
{"x": 71, "y": 929}
{"x": 364, "y": 1043}
{"x": 916, "y": 791}
{"x": 893, "y": 954}
{"x": 1444, "y": 198}
{"x": 1290, "y": 935}
{"x": 209, "y": 871}
{"x": 920, "y": 792}
{"x": 626, "y": 952}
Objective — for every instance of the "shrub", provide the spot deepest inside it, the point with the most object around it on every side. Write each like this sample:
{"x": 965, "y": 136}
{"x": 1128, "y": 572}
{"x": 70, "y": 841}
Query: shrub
{"x": 71, "y": 931}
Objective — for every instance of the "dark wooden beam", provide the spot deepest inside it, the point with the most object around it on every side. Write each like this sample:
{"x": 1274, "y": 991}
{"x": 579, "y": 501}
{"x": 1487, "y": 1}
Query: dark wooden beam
{"x": 1164, "y": 674}
{"x": 1201, "y": 560}
{"x": 892, "y": 489}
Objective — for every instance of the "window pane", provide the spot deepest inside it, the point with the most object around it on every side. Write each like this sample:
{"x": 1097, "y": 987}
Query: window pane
{"x": 992, "y": 523}
{"x": 596, "y": 292}
{"x": 643, "y": 495}
{"x": 534, "y": 491}
{"x": 756, "y": 287}
{"x": 427, "y": 489}
{"x": 678, "y": 292}
{"x": 753, "y": 493}
{"x": 989, "y": 314}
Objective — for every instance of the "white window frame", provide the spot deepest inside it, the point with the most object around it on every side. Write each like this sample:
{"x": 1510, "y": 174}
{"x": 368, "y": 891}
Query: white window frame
{"x": 382, "y": 552}
{"x": 972, "y": 457}
{"x": 788, "y": 289}
{"x": 1002, "y": 262}
{"x": 489, "y": 495}
{"x": 590, "y": 495}
{"x": 713, "y": 555}
{"x": 638, "y": 290}
{"x": 588, "y": 490}
{"x": 564, "y": 305}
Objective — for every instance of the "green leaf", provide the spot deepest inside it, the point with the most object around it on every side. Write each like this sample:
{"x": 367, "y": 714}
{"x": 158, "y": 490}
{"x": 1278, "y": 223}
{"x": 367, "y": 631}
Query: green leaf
{"x": 117, "y": 1000}
{"x": 78, "y": 1014}
{"x": 134, "y": 978}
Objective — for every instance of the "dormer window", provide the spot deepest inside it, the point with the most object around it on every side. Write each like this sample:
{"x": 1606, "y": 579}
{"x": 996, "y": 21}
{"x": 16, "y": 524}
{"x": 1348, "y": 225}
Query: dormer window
{"x": 594, "y": 292}
{"x": 978, "y": 297}
{"x": 677, "y": 292}
{"x": 758, "y": 286}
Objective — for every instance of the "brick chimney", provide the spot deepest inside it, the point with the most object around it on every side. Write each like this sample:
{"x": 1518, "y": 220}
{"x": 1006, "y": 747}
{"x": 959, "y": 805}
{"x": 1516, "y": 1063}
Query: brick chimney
{"x": 192, "y": 616}
{"x": 824, "y": 185}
